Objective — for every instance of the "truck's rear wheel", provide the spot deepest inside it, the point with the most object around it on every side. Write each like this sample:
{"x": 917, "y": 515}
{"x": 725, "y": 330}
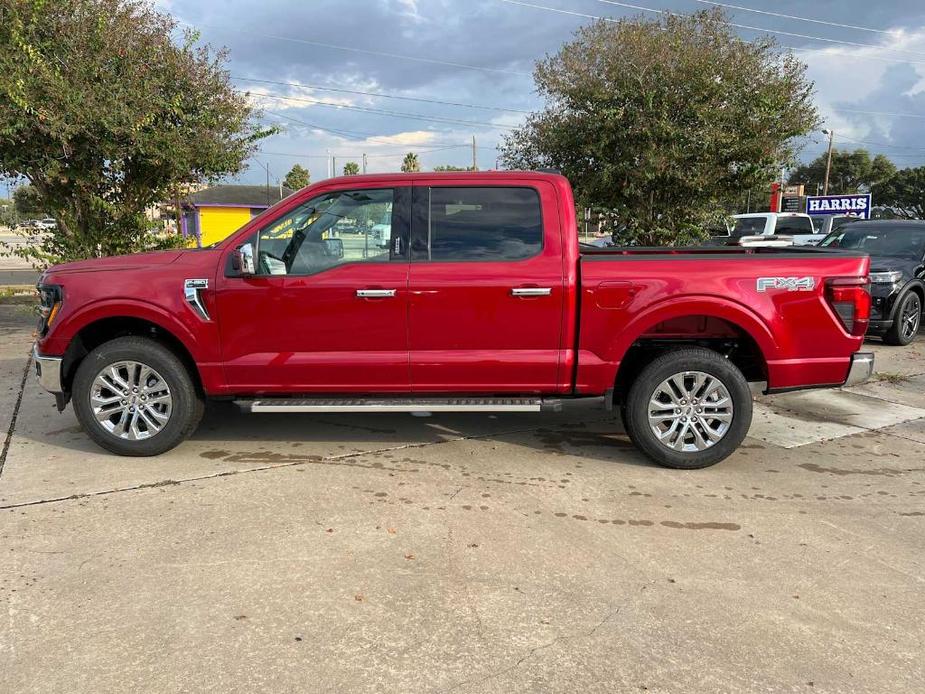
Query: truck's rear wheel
{"x": 689, "y": 408}
{"x": 133, "y": 396}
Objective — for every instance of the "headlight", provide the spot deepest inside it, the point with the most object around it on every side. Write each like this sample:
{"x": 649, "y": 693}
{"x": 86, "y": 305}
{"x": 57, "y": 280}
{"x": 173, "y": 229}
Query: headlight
{"x": 891, "y": 277}
{"x": 50, "y": 297}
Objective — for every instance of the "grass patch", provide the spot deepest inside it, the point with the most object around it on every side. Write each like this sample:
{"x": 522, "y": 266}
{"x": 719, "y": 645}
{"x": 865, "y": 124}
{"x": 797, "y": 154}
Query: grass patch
{"x": 18, "y": 295}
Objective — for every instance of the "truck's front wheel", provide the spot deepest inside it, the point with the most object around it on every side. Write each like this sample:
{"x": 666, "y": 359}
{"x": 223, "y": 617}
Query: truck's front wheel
{"x": 133, "y": 396}
{"x": 689, "y": 408}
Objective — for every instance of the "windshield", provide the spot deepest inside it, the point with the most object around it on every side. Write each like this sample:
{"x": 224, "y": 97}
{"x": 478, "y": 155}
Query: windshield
{"x": 893, "y": 241}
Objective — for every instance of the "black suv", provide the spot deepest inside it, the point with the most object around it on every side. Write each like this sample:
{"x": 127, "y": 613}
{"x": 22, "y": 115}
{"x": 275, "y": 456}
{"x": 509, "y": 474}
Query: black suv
{"x": 897, "y": 273}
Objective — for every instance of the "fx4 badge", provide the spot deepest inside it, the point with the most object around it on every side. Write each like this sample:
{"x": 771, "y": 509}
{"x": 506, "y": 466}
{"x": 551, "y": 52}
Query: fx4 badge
{"x": 791, "y": 284}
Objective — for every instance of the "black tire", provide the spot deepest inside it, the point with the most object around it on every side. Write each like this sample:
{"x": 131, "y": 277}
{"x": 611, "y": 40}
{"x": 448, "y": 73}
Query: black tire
{"x": 187, "y": 404}
{"x": 676, "y": 362}
{"x": 901, "y": 333}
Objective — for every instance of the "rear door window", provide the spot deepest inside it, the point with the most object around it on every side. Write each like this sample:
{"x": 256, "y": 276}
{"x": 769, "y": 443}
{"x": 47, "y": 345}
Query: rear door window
{"x": 748, "y": 226}
{"x": 789, "y": 226}
{"x": 488, "y": 224}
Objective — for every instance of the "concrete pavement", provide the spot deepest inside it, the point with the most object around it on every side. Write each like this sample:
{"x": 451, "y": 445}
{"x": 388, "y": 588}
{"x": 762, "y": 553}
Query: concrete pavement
{"x": 466, "y": 553}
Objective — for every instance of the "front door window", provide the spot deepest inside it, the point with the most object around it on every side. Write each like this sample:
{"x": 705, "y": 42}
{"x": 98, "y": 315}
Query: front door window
{"x": 332, "y": 229}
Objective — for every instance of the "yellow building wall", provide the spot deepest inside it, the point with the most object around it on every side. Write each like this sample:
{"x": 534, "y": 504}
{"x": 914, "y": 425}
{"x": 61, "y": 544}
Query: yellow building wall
{"x": 217, "y": 223}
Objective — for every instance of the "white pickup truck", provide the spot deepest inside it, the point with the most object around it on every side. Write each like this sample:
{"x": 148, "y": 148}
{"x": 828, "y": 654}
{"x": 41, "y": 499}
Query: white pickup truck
{"x": 797, "y": 226}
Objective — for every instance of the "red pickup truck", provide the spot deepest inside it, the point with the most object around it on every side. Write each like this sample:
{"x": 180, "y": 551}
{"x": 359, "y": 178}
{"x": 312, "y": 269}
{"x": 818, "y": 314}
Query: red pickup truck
{"x": 447, "y": 292}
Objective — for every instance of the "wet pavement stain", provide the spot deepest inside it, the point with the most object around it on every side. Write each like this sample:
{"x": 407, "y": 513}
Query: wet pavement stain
{"x": 270, "y": 457}
{"x": 882, "y": 472}
{"x": 702, "y": 526}
{"x": 644, "y": 523}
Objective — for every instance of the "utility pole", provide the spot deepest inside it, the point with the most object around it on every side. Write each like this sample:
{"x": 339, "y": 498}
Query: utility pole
{"x": 334, "y": 165}
{"x": 828, "y": 161}
{"x": 267, "y": 166}
{"x": 364, "y": 162}
{"x": 328, "y": 158}
{"x": 475, "y": 161}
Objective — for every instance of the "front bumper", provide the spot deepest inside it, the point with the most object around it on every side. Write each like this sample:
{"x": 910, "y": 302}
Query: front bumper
{"x": 48, "y": 372}
{"x": 862, "y": 367}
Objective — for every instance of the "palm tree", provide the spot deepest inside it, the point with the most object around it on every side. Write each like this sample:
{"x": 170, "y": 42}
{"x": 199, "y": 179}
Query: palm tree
{"x": 351, "y": 168}
{"x": 410, "y": 164}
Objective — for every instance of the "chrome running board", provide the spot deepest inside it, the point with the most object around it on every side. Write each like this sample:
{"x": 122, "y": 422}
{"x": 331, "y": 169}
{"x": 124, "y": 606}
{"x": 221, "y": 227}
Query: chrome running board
{"x": 398, "y": 405}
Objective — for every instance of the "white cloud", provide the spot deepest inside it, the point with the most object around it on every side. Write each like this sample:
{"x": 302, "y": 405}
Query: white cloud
{"x": 409, "y": 10}
{"x": 887, "y": 78}
{"x": 410, "y": 138}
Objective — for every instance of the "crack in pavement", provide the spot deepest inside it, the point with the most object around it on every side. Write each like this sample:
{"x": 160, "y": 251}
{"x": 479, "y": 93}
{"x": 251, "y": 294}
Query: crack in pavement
{"x": 529, "y": 654}
{"x": 329, "y": 460}
{"x": 12, "y": 427}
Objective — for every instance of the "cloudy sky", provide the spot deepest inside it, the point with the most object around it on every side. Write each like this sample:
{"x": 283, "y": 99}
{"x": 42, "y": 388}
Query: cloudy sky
{"x": 383, "y": 77}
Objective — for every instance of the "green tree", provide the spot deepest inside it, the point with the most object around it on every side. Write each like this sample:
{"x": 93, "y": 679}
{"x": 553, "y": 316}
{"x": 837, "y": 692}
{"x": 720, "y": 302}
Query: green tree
{"x": 663, "y": 121}
{"x": 410, "y": 163}
{"x": 28, "y": 201}
{"x": 351, "y": 168}
{"x": 106, "y": 115}
{"x": 852, "y": 172}
{"x": 297, "y": 178}
{"x": 450, "y": 167}
{"x": 903, "y": 192}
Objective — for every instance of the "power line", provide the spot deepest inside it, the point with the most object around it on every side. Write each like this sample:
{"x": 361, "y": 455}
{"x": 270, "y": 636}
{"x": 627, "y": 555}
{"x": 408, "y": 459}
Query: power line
{"x": 378, "y": 94}
{"x": 396, "y": 153}
{"x": 790, "y": 16}
{"x": 888, "y": 155}
{"x": 560, "y": 11}
{"x": 878, "y": 113}
{"x": 738, "y": 26}
{"x": 383, "y": 112}
{"x": 352, "y": 133}
{"x": 365, "y": 51}
{"x": 881, "y": 144}
{"x": 337, "y": 131}
{"x": 761, "y": 29}
{"x": 854, "y": 55}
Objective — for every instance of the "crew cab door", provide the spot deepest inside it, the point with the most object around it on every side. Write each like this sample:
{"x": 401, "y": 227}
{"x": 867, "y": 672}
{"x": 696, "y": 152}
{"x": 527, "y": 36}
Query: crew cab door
{"x": 326, "y": 310}
{"x": 485, "y": 288}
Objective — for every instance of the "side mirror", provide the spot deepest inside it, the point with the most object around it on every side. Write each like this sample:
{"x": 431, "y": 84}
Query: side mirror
{"x": 242, "y": 260}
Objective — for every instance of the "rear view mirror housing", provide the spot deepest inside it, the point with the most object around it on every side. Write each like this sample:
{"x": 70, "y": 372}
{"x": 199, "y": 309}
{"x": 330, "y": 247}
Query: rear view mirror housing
{"x": 242, "y": 261}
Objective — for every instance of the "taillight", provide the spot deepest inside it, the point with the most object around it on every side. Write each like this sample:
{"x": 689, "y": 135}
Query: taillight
{"x": 849, "y": 297}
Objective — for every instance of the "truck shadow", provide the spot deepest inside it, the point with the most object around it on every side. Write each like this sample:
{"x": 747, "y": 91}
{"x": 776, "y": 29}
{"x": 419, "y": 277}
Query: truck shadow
{"x": 598, "y": 436}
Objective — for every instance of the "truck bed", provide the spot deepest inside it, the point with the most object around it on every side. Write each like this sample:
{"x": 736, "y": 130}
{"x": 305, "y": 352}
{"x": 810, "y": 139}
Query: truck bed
{"x": 769, "y": 300}
{"x": 801, "y": 252}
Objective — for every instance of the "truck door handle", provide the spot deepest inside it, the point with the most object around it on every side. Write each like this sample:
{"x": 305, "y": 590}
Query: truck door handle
{"x": 375, "y": 293}
{"x": 531, "y": 291}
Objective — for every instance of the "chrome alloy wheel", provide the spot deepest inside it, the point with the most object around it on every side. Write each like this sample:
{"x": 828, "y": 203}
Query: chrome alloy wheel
{"x": 912, "y": 315}
{"x": 131, "y": 400}
{"x": 690, "y": 411}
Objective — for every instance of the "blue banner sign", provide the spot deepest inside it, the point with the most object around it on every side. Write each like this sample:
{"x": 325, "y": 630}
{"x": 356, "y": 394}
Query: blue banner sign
{"x": 848, "y": 205}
